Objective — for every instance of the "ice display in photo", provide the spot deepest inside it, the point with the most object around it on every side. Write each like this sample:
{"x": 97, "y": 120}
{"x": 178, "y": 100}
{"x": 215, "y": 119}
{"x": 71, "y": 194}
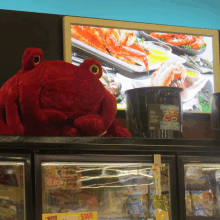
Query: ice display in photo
{"x": 134, "y": 59}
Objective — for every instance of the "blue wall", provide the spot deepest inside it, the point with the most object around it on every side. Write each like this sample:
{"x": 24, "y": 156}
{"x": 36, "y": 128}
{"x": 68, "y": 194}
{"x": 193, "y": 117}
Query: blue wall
{"x": 189, "y": 13}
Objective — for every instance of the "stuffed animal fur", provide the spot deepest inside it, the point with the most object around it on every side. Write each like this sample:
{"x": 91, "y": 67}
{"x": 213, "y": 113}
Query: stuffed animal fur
{"x": 56, "y": 98}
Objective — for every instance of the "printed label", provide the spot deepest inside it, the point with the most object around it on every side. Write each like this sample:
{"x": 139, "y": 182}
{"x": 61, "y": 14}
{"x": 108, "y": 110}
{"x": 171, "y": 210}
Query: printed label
{"x": 71, "y": 216}
{"x": 66, "y": 217}
{"x": 163, "y": 117}
{"x": 86, "y": 216}
{"x": 64, "y": 177}
{"x": 51, "y": 218}
{"x": 135, "y": 208}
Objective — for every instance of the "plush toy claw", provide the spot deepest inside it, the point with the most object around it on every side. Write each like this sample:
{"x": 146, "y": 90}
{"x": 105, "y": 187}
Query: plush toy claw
{"x": 57, "y": 98}
{"x": 117, "y": 131}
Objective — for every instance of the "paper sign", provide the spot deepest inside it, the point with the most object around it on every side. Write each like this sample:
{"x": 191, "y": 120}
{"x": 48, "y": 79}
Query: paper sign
{"x": 156, "y": 167}
{"x": 162, "y": 215}
{"x": 71, "y": 216}
{"x": 157, "y": 159}
{"x": 161, "y": 202}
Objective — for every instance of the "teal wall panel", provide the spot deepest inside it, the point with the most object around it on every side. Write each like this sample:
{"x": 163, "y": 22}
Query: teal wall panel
{"x": 189, "y": 13}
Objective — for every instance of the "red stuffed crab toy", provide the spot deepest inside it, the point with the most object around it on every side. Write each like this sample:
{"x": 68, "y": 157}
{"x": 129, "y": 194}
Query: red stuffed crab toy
{"x": 57, "y": 98}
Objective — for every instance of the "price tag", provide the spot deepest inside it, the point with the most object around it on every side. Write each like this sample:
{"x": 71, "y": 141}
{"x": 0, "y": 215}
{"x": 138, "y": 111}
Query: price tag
{"x": 156, "y": 168}
{"x": 66, "y": 217}
{"x": 161, "y": 202}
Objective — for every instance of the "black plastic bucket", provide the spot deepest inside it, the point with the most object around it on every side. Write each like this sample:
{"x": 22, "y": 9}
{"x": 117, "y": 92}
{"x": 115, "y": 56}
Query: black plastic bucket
{"x": 215, "y": 115}
{"x": 154, "y": 112}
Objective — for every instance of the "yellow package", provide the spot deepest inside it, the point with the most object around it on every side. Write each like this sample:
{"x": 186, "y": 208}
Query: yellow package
{"x": 188, "y": 202}
{"x": 162, "y": 215}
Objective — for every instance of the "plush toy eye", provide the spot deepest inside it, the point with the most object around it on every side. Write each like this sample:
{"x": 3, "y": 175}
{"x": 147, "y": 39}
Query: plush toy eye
{"x": 36, "y": 60}
{"x": 94, "y": 69}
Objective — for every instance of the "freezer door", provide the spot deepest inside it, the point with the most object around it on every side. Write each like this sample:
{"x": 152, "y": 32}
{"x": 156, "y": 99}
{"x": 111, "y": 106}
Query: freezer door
{"x": 199, "y": 187}
{"x": 13, "y": 188}
{"x": 101, "y": 187}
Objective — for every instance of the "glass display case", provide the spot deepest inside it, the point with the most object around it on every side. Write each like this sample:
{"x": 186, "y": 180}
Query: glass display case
{"x": 202, "y": 187}
{"x": 56, "y": 179}
{"x": 14, "y": 172}
{"x": 110, "y": 188}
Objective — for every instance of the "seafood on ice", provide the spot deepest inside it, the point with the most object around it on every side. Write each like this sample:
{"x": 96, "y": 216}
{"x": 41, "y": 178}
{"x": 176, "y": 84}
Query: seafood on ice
{"x": 112, "y": 85}
{"x": 116, "y": 42}
{"x": 170, "y": 73}
{"x": 188, "y": 41}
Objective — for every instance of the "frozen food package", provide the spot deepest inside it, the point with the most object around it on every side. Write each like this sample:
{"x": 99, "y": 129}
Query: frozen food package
{"x": 118, "y": 203}
{"x": 202, "y": 202}
{"x": 162, "y": 215}
{"x": 134, "y": 207}
{"x": 152, "y": 210}
{"x": 54, "y": 209}
{"x": 64, "y": 177}
{"x": 8, "y": 210}
{"x": 217, "y": 178}
{"x": 208, "y": 203}
{"x": 194, "y": 177}
{"x": 194, "y": 172}
{"x": 144, "y": 207}
{"x": 188, "y": 202}
{"x": 89, "y": 200}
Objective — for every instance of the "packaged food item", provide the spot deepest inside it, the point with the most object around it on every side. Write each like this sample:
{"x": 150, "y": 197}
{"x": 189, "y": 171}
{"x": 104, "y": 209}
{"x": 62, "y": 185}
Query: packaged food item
{"x": 202, "y": 202}
{"x": 152, "y": 209}
{"x": 118, "y": 203}
{"x": 188, "y": 202}
{"x": 194, "y": 172}
{"x": 134, "y": 203}
{"x": 217, "y": 178}
{"x": 198, "y": 209}
{"x": 62, "y": 177}
{"x": 145, "y": 208}
{"x": 194, "y": 177}
{"x": 89, "y": 200}
{"x": 53, "y": 209}
{"x": 208, "y": 203}
{"x": 162, "y": 215}
{"x": 8, "y": 210}
{"x": 11, "y": 192}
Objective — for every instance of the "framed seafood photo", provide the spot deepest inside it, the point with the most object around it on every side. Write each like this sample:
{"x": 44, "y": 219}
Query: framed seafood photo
{"x": 134, "y": 55}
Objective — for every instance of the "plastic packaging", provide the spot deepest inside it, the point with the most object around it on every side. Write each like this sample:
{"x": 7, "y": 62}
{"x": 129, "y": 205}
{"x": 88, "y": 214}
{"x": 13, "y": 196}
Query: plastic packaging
{"x": 202, "y": 202}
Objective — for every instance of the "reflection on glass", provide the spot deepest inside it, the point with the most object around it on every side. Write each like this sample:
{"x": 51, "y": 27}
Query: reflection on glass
{"x": 12, "y": 191}
{"x": 202, "y": 190}
{"x": 116, "y": 191}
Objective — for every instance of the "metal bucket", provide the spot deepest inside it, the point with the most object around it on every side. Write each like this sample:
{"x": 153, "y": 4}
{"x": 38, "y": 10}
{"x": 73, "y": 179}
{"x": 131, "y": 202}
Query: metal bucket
{"x": 154, "y": 112}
